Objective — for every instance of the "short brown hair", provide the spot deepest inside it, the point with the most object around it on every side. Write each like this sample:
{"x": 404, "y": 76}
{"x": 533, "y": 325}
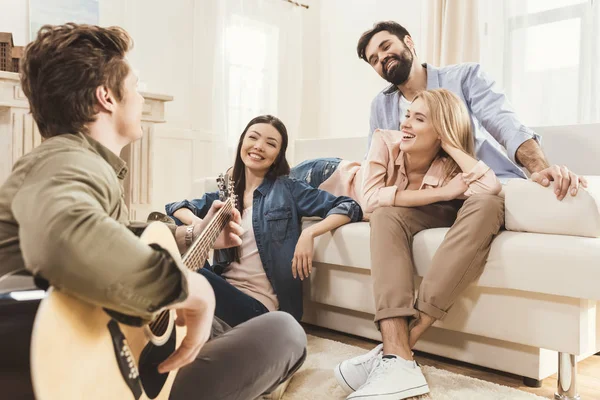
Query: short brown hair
{"x": 389, "y": 26}
{"x": 62, "y": 68}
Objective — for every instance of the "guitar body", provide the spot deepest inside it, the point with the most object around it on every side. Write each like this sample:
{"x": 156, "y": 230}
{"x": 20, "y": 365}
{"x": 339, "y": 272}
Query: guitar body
{"x": 79, "y": 352}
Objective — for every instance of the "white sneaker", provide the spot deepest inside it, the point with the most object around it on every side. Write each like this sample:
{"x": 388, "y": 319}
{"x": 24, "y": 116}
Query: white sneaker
{"x": 393, "y": 378}
{"x": 353, "y": 373}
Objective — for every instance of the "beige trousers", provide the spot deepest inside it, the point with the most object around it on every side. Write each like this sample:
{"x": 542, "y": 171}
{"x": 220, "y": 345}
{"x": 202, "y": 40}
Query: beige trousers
{"x": 457, "y": 263}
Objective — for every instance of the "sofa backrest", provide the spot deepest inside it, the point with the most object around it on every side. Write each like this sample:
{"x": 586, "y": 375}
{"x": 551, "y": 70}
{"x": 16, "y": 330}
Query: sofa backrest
{"x": 577, "y": 146}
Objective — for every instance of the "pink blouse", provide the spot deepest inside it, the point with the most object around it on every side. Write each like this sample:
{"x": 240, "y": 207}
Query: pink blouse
{"x": 374, "y": 182}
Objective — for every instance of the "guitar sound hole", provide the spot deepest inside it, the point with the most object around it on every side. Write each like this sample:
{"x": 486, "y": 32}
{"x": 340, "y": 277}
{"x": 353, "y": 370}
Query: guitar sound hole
{"x": 159, "y": 326}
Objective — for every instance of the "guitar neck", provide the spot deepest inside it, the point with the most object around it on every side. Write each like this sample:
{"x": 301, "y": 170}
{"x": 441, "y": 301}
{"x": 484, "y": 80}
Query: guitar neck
{"x": 197, "y": 254}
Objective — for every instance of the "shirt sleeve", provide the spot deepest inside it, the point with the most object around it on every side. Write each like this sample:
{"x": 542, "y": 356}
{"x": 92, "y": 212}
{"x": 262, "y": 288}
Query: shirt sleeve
{"x": 481, "y": 179}
{"x": 492, "y": 109}
{"x": 312, "y": 202}
{"x": 68, "y": 237}
{"x": 199, "y": 207}
{"x": 374, "y": 191}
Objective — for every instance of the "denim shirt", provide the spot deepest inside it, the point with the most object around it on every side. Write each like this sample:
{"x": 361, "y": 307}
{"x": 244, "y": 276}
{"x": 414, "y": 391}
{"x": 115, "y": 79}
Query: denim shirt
{"x": 278, "y": 207}
{"x": 495, "y": 124}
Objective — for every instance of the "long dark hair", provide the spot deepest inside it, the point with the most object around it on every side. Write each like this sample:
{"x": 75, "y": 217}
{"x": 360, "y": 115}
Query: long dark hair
{"x": 280, "y": 166}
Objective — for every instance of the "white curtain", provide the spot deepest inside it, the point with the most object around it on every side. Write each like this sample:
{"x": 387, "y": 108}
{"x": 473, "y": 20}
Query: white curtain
{"x": 258, "y": 66}
{"x": 546, "y": 55}
{"x": 449, "y": 31}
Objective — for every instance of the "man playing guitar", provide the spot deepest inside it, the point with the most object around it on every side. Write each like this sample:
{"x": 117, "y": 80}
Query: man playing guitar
{"x": 63, "y": 218}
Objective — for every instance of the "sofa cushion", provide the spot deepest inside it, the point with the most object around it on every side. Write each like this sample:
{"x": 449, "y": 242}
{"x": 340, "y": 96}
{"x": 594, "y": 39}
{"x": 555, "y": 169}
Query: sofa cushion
{"x": 531, "y": 207}
{"x": 551, "y": 264}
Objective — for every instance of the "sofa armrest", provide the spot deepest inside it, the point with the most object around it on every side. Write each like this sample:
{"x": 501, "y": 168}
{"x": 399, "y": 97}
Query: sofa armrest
{"x": 531, "y": 207}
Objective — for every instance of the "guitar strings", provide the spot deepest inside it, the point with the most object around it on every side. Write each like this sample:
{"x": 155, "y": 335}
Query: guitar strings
{"x": 215, "y": 227}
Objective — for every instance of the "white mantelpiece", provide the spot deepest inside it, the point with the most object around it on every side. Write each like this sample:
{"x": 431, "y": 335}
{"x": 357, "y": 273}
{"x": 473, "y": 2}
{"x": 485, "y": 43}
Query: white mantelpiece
{"x": 19, "y": 134}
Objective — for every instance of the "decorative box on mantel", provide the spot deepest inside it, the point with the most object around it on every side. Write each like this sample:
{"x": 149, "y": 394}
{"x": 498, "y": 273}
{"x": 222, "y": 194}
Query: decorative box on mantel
{"x": 19, "y": 134}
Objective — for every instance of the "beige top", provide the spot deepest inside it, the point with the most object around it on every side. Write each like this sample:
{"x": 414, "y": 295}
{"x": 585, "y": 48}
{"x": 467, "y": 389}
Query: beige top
{"x": 249, "y": 275}
{"x": 374, "y": 183}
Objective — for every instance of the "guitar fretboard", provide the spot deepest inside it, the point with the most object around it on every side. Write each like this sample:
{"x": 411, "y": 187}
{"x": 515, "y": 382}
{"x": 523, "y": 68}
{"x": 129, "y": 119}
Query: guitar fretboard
{"x": 197, "y": 254}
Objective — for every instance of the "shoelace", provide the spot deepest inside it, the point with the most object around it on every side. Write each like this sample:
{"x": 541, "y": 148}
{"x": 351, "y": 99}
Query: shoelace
{"x": 380, "y": 368}
{"x": 366, "y": 357}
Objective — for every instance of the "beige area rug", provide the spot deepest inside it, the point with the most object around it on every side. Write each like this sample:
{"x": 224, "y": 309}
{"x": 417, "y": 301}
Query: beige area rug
{"x": 315, "y": 380}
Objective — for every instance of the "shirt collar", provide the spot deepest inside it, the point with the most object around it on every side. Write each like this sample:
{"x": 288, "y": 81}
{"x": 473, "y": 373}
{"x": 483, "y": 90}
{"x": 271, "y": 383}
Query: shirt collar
{"x": 433, "y": 176}
{"x": 265, "y": 186}
{"x": 433, "y": 77}
{"x": 116, "y": 162}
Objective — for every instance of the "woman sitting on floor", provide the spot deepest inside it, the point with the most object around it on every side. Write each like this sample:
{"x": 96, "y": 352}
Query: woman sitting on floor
{"x": 260, "y": 275}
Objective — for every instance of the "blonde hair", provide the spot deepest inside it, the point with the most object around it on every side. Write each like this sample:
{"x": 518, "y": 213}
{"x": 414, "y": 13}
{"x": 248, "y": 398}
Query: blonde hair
{"x": 452, "y": 122}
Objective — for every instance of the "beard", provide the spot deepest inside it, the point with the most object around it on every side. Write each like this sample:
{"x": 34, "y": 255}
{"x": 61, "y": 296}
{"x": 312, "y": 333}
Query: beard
{"x": 399, "y": 73}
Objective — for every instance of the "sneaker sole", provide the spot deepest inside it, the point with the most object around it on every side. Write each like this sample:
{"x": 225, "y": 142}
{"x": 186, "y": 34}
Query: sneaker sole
{"x": 404, "y": 394}
{"x": 341, "y": 380}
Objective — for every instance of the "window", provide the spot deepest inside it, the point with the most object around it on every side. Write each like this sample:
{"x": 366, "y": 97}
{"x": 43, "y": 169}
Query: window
{"x": 252, "y": 73}
{"x": 549, "y": 58}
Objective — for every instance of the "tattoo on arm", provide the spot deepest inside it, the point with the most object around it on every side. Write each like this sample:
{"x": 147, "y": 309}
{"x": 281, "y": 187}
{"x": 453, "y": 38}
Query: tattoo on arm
{"x": 530, "y": 155}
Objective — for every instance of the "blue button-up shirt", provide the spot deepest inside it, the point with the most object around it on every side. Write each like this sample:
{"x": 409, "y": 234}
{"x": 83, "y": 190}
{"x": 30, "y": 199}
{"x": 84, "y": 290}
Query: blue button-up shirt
{"x": 498, "y": 132}
{"x": 277, "y": 209}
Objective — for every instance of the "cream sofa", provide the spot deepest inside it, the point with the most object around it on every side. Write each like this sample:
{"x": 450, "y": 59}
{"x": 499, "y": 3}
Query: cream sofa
{"x": 538, "y": 295}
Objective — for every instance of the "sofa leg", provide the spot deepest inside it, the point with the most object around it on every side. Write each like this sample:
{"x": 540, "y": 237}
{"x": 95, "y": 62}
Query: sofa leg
{"x": 567, "y": 377}
{"x": 531, "y": 382}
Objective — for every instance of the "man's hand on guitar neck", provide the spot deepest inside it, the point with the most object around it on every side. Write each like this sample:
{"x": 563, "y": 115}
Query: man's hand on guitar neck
{"x": 196, "y": 313}
{"x": 229, "y": 237}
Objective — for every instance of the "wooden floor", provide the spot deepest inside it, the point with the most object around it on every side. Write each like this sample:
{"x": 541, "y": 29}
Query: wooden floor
{"x": 588, "y": 369}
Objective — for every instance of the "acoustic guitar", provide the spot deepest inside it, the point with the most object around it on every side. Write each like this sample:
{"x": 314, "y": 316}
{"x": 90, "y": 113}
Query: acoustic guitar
{"x": 79, "y": 352}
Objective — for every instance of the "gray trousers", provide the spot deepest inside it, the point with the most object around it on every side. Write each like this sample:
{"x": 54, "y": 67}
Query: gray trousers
{"x": 244, "y": 362}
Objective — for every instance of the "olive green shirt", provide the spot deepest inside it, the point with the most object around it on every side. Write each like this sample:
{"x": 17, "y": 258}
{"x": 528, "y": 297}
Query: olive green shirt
{"x": 63, "y": 217}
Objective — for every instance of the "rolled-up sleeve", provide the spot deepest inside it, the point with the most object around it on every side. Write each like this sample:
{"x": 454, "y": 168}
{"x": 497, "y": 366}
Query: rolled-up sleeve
{"x": 491, "y": 107}
{"x": 68, "y": 237}
{"x": 312, "y": 202}
{"x": 481, "y": 179}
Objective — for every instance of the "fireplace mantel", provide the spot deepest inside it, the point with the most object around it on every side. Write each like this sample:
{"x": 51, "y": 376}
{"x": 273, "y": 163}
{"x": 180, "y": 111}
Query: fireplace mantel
{"x": 19, "y": 135}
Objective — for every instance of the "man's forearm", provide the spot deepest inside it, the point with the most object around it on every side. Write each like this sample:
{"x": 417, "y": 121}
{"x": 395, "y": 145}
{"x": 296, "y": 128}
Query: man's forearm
{"x": 530, "y": 155}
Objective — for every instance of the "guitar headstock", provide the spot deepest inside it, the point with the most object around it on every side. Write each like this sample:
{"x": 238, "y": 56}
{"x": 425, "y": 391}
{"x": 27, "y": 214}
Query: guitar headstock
{"x": 223, "y": 194}
{"x": 231, "y": 190}
{"x": 227, "y": 189}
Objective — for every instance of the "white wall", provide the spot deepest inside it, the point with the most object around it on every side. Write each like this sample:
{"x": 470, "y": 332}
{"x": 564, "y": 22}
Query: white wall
{"x": 174, "y": 53}
{"x": 339, "y": 87}
{"x": 173, "y": 56}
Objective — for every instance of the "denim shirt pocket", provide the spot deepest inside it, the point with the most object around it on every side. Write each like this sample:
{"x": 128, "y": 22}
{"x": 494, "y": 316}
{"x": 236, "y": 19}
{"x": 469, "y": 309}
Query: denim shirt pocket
{"x": 277, "y": 223}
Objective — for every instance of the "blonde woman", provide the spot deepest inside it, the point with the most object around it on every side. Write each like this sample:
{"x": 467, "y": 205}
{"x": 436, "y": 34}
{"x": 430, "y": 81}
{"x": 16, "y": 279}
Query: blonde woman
{"x": 441, "y": 148}
{"x": 423, "y": 176}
